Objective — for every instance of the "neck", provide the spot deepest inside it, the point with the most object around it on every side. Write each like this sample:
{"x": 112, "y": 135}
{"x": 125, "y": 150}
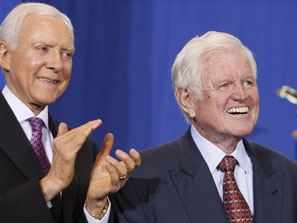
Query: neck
{"x": 36, "y": 109}
{"x": 226, "y": 143}
{"x": 228, "y": 146}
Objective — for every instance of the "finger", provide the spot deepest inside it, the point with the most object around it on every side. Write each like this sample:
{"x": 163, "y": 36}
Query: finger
{"x": 80, "y": 134}
{"x": 107, "y": 145}
{"x": 116, "y": 182}
{"x": 295, "y": 133}
{"x": 120, "y": 167}
{"x": 135, "y": 155}
{"x": 127, "y": 160}
{"x": 86, "y": 129}
{"x": 113, "y": 173}
{"x": 73, "y": 140}
{"x": 62, "y": 129}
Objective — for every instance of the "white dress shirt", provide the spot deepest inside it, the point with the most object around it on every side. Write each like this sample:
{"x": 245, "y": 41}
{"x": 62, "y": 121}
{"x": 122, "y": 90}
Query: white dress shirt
{"x": 243, "y": 172}
{"x": 22, "y": 113}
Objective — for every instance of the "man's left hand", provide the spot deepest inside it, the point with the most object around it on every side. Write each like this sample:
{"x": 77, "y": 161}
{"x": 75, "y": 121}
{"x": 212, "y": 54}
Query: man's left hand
{"x": 108, "y": 174}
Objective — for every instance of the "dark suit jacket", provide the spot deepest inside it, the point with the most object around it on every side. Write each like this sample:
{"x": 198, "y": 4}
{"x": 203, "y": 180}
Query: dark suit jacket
{"x": 21, "y": 199}
{"x": 174, "y": 185}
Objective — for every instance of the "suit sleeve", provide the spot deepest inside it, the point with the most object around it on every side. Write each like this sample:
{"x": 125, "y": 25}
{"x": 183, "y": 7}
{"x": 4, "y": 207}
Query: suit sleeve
{"x": 127, "y": 206}
{"x": 25, "y": 203}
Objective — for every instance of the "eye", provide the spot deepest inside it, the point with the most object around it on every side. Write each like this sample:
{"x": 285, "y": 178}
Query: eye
{"x": 67, "y": 54}
{"x": 42, "y": 49}
{"x": 224, "y": 86}
{"x": 248, "y": 83}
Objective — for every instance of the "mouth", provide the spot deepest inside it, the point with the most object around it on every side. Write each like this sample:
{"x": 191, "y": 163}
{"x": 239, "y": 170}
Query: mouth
{"x": 47, "y": 80}
{"x": 238, "y": 110}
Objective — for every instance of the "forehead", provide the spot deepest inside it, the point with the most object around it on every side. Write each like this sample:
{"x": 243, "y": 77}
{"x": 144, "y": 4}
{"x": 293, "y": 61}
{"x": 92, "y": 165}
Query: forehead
{"x": 45, "y": 28}
{"x": 226, "y": 64}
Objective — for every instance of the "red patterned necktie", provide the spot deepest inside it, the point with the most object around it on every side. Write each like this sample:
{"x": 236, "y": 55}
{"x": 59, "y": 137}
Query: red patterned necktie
{"x": 36, "y": 142}
{"x": 236, "y": 207}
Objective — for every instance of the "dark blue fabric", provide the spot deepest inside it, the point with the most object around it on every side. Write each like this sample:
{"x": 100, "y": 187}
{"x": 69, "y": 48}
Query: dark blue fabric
{"x": 124, "y": 53}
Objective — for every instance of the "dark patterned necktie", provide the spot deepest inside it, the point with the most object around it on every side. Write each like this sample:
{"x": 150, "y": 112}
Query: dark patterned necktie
{"x": 36, "y": 142}
{"x": 236, "y": 207}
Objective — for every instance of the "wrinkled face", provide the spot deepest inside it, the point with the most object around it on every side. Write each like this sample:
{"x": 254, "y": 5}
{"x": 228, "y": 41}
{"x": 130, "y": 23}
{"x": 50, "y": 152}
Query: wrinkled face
{"x": 39, "y": 69}
{"x": 230, "y": 101}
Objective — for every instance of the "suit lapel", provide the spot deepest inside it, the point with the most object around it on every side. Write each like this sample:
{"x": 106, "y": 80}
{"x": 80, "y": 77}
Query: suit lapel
{"x": 15, "y": 144}
{"x": 195, "y": 185}
{"x": 268, "y": 184}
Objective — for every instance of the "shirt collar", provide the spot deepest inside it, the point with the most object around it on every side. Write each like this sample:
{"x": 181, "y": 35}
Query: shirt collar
{"x": 213, "y": 154}
{"x": 20, "y": 110}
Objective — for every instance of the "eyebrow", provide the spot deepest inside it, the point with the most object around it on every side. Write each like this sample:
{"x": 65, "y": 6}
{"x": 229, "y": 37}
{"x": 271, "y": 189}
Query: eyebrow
{"x": 69, "y": 49}
{"x": 49, "y": 44}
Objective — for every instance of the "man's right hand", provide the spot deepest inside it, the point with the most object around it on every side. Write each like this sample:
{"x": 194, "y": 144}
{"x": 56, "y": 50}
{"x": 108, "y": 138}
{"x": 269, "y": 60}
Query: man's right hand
{"x": 65, "y": 148}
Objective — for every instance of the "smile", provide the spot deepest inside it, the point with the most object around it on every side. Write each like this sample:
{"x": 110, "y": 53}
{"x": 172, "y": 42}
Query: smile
{"x": 47, "y": 80}
{"x": 238, "y": 110}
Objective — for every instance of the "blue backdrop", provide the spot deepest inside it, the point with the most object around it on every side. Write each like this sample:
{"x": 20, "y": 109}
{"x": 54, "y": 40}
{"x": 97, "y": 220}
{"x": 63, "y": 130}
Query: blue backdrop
{"x": 124, "y": 53}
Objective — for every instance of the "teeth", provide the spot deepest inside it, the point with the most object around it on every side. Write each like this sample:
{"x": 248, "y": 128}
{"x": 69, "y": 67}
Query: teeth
{"x": 238, "y": 110}
{"x": 48, "y": 80}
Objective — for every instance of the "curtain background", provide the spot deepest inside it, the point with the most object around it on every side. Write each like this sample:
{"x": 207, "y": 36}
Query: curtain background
{"x": 125, "y": 50}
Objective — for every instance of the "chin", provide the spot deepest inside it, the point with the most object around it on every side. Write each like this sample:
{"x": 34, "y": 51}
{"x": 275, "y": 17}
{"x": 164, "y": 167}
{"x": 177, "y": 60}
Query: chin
{"x": 242, "y": 133}
{"x": 46, "y": 101}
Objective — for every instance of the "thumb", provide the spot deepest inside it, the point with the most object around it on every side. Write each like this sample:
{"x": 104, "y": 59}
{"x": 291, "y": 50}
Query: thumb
{"x": 107, "y": 144}
{"x": 63, "y": 128}
{"x": 295, "y": 133}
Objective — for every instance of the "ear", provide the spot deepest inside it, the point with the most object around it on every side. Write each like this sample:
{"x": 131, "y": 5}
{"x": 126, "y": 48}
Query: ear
{"x": 186, "y": 101}
{"x": 4, "y": 56}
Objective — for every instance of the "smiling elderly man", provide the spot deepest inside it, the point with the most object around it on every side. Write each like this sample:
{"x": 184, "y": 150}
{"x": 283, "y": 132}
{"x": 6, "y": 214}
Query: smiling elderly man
{"x": 212, "y": 174}
{"x": 47, "y": 172}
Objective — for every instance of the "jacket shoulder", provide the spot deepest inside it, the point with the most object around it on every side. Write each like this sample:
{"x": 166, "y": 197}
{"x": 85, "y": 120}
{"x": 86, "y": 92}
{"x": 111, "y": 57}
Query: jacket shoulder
{"x": 277, "y": 159}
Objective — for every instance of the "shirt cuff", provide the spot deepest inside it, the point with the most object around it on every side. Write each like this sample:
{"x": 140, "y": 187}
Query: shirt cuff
{"x": 90, "y": 219}
{"x": 49, "y": 204}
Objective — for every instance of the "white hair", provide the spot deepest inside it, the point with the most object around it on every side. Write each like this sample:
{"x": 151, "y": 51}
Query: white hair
{"x": 188, "y": 66}
{"x": 12, "y": 24}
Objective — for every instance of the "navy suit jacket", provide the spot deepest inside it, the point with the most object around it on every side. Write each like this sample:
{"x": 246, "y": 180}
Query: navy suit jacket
{"x": 21, "y": 198}
{"x": 174, "y": 184}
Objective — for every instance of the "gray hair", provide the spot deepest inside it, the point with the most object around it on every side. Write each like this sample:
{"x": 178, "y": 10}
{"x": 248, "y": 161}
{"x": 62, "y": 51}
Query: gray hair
{"x": 12, "y": 24}
{"x": 188, "y": 66}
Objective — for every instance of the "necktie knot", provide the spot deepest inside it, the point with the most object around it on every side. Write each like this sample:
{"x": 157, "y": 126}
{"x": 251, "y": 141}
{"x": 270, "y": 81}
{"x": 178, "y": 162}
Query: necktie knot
{"x": 228, "y": 163}
{"x": 36, "y": 123}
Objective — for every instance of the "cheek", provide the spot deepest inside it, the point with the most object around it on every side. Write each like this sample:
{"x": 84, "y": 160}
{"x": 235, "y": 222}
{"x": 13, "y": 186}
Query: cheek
{"x": 31, "y": 60}
{"x": 28, "y": 67}
{"x": 34, "y": 63}
{"x": 67, "y": 71}
{"x": 255, "y": 98}
{"x": 254, "y": 93}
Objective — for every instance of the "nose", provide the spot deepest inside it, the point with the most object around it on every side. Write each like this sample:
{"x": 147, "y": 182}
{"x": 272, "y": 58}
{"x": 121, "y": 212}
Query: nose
{"x": 239, "y": 93}
{"x": 55, "y": 61}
